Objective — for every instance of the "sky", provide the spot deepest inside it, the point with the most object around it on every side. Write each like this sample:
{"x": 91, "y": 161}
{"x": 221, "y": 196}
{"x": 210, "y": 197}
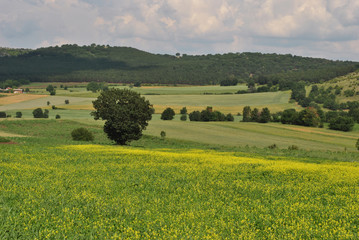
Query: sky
{"x": 311, "y": 28}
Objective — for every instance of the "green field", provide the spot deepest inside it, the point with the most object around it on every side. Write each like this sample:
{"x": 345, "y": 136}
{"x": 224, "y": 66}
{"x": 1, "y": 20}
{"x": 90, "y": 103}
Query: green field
{"x": 53, "y": 187}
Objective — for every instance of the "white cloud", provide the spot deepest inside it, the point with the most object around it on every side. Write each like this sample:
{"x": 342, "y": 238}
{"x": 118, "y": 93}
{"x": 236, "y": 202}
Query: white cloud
{"x": 322, "y": 28}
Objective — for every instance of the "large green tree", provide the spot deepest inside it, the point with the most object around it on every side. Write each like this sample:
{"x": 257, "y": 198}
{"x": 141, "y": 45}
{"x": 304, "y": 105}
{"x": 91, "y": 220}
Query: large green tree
{"x": 126, "y": 114}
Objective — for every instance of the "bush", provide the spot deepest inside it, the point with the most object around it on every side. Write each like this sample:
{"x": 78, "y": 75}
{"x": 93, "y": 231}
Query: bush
{"x": 168, "y": 114}
{"x": 2, "y": 114}
{"x": 293, "y": 147}
{"x": 38, "y": 113}
{"x": 54, "y": 107}
{"x": 58, "y": 116}
{"x": 273, "y": 146}
{"x": 67, "y": 101}
{"x": 18, "y": 114}
{"x": 4, "y": 140}
{"x": 342, "y": 123}
{"x": 163, "y": 134}
{"x": 229, "y": 117}
{"x": 82, "y": 134}
{"x": 184, "y": 117}
{"x": 183, "y": 110}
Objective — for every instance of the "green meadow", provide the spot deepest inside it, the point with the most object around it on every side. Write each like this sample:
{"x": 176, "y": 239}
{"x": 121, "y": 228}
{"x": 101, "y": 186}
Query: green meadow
{"x": 52, "y": 187}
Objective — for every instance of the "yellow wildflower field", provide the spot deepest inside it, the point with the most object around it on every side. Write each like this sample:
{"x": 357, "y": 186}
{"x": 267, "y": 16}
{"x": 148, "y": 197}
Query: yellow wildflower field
{"x": 112, "y": 192}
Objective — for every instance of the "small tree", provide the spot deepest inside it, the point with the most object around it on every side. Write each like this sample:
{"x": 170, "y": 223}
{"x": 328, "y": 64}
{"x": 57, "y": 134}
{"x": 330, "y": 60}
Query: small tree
{"x": 38, "y": 113}
{"x": 184, "y": 117}
{"x": 342, "y": 123}
{"x": 168, "y": 114}
{"x": 18, "y": 114}
{"x": 58, "y": 116}
{"x": 67, "y": 101}
{"x": 82, "y": 134}
{"x": 229, "y": 117}
{"x": 195, "y": 116}
{"x": 126, "y": 114}
{"x": 2, "y": 114}
{"x": 265, "y": 116}
{"x": 247, "y": 114}
{"x": 48, "y": 103}
{"x": 51, "y": 89}
{"x": 255, "y": 115}
{"x": 163, "y": 134}
{"x": 183, "y": 110}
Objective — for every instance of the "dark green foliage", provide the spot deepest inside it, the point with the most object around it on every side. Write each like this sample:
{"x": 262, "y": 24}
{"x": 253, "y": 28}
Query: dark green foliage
{"x": 126, "y": 114}
{"x": 4, "y": 140}
{"x": 163, "y": 134}
{"x": 183, "y": 117}
{"x": 183, "y": 110}
{"x": 255, "y": 115}
{"x": 298, "y": 91}
{"x": 357, "y": 144}
{"x": 82, "y": 134}
{"x": 354, "y": 113}
{"x": 273, "y": 146}
{"x": 208, "y": 115}
{"x": 309, "y": 117}
{"x": 349, "y": 93}
{"x": 51, "y": 89}
{"x": 38, "y": 113}
{"x": 18, "y": 114}
{"x": 54, "y": 107}
{"x": 247, "y": 114}
{"x": 342, "y": 123}
{"x": 229, "y": 117}
{"x": 231, "y": 81}
{"x": 58, "y": 116}
{"x": 48, "y": 103}
{"x": 96, "y": 86}
{"x": 137, "y": 84}
{"x": 293, "y": 147}
{"x": 265, "y": 116}
{"x": 195, "y": 116}
{"x": 289, "y": 116}
{"x": 70, "y": 63}
{"x": 168, "y": 114}
{"x": 2, "y": 114}
{"x": 67, "y": 101}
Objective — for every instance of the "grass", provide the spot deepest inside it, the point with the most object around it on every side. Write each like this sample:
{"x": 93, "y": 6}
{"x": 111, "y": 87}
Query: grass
{"x": 255, "y": 134}
{"x": 53, "y": 187}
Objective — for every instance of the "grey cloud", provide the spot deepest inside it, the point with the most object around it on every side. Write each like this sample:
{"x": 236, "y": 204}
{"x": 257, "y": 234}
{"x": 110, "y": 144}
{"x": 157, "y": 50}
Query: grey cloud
{"x": 322, "y": 28}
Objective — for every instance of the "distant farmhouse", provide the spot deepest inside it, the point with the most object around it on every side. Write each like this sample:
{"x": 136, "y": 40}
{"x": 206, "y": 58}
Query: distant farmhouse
{"x": 10, "y": 90}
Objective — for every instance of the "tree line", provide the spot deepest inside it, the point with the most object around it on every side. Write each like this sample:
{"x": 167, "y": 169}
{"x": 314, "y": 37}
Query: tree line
{"x": 100, "y": 63}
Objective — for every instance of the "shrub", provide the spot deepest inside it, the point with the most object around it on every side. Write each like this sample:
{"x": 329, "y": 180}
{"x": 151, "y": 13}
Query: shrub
{"x": 82, "y": 134}
{"x": 18, "y": 114}
{"x": 293, "y": 147}
{"x": 184, "y": 117}
{"x": 229, "y": 117}
{"x": 67, "y": 101}
{"x": 58, "y": 116}
{"x": 273, "y": 146}
{"x": 38, "y": 113}
{"x": 4, "y": 140}
{"x": 54, "y": 107}
{"x": 195, "y": 116}
{"x": 2, "y": 114}
{"x": 342, "y": 123}
{"x": 163, "y": 134}
{"x": 168, "y": 114}
{"x": 183, "y": 110}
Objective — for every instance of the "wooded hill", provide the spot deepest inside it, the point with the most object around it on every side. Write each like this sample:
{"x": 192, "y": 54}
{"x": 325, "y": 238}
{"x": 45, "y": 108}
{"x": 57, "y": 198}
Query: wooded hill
{"x": 71, "y": 63}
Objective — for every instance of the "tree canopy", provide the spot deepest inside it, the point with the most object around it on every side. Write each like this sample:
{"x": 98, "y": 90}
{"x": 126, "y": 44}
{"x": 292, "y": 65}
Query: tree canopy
{"x": 126, "y": 114}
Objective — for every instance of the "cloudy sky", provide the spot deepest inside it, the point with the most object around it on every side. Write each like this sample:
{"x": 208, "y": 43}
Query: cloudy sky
{"x": 315, "y": 28}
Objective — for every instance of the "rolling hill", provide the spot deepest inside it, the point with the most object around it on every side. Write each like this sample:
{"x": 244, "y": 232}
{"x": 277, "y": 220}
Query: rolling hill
{"x": 72, "y": 63}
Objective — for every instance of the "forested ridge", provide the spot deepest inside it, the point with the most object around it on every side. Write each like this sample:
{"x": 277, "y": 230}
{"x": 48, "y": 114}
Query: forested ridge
{"x": 72, "y": 63}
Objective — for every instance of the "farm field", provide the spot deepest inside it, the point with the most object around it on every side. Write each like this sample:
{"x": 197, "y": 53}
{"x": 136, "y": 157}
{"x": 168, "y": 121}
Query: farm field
{"x": 53, "y": 187}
